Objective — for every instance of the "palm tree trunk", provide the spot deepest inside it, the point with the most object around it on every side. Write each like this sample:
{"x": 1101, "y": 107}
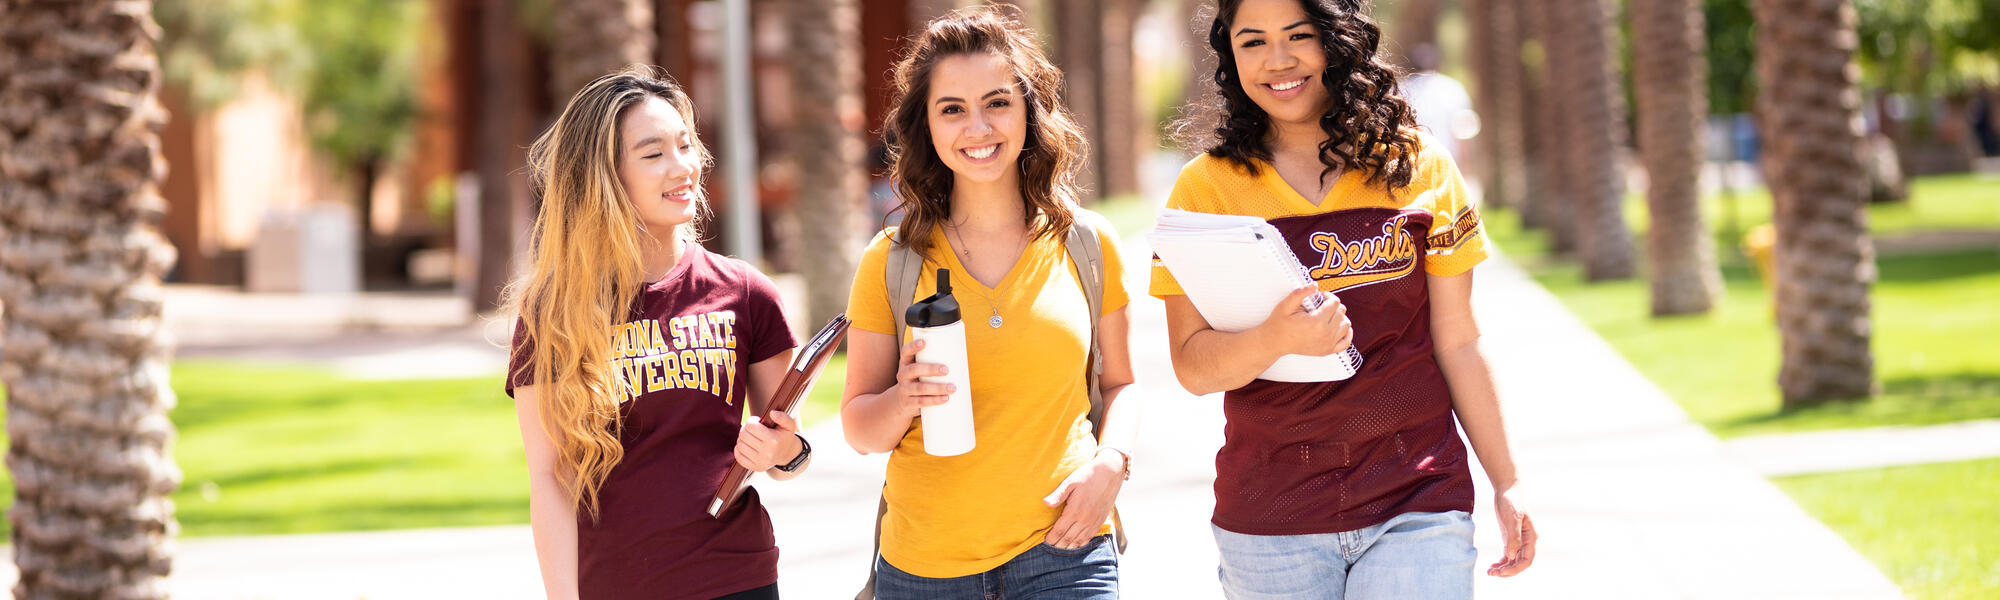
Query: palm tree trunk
{"x": 922, "y": 11}
{"x": 1079, "y": 48}
{"x": 504, "y": 130}
{"x": 828, "y": 148}
{"x": 1671, "y": 74}
{"x": 1548, "y": 208}
{"x": 1809, "y": 114}
{"x": 1416, "y": 25}
{"x": 594, "y": 37}
{"x": 1596, "y": 127}
{"x": 1533, "y": 157}
{"x": 1120, "y": 142}
{"x": 85, "y": 363}
{"x": 1497, "y": 44}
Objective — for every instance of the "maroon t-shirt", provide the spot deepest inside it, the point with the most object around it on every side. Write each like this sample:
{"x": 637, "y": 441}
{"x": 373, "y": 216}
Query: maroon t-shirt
{"x": 683, "y": 358}
{"x": 1323, "y": 457}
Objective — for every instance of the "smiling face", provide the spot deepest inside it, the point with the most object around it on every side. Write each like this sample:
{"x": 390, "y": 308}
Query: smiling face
{"x": 977, "y": 116}
{"x": 659, "y": 164}
{"x": 1279, "y": 60}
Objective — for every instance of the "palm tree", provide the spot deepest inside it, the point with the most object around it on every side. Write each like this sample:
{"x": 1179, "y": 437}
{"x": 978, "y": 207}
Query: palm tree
{"x": 1671, "y": 78}
{"x": 828, "y": 148}
{"x": 1497, "y": 45}
{"x": 1416, "y": 25}
{"x": 1119, "y": 140}
{"x": 504, "y": 130}
{"x": 1594, "y": 120}
{"x": 85, "y": 363}
{"x": 1534, "y": 197}
{"x": 922, "y": 11}
{"x": 1809, "y": 109}
{"x": 1079, "y": 49}
{"x": 1545, "y": 135}
{"x": 594, "y": 37}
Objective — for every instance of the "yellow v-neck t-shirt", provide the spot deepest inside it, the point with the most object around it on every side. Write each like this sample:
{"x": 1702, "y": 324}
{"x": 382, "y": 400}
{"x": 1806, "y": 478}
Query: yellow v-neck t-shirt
{"x": 951, "y": 516}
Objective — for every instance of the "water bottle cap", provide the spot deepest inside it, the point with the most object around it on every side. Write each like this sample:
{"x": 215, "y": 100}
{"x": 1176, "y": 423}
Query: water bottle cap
{"x": 938, "y": 310}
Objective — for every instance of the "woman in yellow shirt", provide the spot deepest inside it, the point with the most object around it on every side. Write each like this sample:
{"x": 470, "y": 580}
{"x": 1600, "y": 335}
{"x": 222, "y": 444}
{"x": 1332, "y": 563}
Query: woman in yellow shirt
{"x": 984, "y": 165}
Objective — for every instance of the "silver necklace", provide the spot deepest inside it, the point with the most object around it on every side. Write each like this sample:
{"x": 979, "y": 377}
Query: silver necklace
{"x": 957, "y": 246}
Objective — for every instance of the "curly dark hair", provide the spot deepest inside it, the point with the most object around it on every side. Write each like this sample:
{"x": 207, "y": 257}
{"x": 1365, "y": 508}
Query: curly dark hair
{"x": 1051, "y": 156}
{"x": 1368, "y": 124}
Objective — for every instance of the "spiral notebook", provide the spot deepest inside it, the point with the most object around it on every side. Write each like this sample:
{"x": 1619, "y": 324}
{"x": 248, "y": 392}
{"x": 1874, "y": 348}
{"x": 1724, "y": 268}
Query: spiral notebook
{"x": 1234, "y": 269}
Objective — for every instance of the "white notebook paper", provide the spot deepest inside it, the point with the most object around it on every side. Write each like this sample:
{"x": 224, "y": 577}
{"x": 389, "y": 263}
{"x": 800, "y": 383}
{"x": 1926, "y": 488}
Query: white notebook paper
{"x": 1235, "y": 269}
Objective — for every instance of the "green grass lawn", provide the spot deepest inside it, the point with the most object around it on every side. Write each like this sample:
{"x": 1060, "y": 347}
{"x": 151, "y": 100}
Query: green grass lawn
{"x": 1933, "y": 314}
{"x": 1937, "y": 203}
{"x": 269, "y": 450}
{"x": 1934, "y": 529}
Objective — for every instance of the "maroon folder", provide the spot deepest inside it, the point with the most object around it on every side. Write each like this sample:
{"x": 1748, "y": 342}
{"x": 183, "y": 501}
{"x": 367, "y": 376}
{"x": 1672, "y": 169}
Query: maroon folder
{"x": 798, "y": 382}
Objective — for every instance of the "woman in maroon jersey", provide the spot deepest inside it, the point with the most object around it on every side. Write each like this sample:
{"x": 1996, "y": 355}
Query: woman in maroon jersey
{"x": 636, "y": 354}
{"x": 1357, "y": 488}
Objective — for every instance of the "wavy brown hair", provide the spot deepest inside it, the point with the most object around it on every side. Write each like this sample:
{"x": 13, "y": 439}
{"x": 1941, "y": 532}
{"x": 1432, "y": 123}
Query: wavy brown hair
{"x": 587, "y": 243}
{"x": 1368, "y": 124}
{"x": 1050, "y": 157}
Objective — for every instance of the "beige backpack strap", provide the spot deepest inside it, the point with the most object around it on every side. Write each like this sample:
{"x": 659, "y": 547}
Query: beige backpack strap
{"x": 899, "y": 274}
{"x": 1088, "y": 255}
{"x": 1087, "y": 252}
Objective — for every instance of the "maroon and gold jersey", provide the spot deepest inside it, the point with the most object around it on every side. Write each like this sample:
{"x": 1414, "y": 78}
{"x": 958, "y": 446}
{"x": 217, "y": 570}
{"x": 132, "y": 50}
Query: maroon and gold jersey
{"x": 1323, "y": 457}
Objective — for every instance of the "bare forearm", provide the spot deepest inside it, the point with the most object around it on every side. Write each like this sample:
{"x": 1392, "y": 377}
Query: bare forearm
{"x": 552, "y": 517}
{"x": 1475, "y": 399}
{"x": 1123, "y": 406}
{"x": 874, "y": 423}
{"x": 1213, "y": 361}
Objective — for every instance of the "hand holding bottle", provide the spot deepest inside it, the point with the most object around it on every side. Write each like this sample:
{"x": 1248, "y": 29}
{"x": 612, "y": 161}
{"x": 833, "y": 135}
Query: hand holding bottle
{"x": 912, "y": 393}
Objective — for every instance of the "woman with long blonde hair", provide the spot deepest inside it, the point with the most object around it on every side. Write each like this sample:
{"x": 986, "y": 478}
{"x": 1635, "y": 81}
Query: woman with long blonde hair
{"x": 636, "y": 353}
{"x": 984, "y": 162}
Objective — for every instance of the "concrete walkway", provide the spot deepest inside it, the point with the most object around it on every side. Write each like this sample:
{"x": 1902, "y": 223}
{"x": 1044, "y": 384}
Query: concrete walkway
{"x": 1782, "y": 454}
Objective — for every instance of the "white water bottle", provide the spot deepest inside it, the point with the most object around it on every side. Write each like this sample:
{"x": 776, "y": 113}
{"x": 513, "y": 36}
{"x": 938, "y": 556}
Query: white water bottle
{"x": 948, "y": 426}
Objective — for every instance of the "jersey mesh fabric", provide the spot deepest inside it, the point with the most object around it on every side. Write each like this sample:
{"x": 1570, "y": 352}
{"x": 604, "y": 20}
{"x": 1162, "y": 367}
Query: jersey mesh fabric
{"x": 1322, "y": 457}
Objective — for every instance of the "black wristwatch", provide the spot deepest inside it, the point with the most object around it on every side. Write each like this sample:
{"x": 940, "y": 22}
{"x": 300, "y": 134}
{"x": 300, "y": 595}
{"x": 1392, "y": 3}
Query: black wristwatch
{"x": 805, "y": 454}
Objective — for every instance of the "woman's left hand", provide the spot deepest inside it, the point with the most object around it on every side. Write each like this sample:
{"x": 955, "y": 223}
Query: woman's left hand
{"x": 1086, "y": 497}
{"x": 1517, "y": 531}
{"x": 760, "y": 446}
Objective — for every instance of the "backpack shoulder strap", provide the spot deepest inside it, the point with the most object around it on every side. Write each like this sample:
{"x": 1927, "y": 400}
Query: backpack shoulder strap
{"x": 899, "y": 276}
{"x": 1086, "y": 250}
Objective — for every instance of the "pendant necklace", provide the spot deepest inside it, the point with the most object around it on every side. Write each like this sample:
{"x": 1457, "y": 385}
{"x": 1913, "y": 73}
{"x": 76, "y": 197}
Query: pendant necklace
{"x": 957, "y": 245}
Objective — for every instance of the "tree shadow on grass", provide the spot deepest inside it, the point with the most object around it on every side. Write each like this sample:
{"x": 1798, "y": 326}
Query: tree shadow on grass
{"x": 302, "y": 472}
{"x": 1938, "y": 266}
{"x": 363, "y": 517}
{"x": 1927, "y": 400}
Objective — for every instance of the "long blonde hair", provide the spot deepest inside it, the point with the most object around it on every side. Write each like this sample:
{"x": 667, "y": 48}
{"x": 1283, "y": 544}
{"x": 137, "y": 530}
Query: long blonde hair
{"x": 587, "y": 243}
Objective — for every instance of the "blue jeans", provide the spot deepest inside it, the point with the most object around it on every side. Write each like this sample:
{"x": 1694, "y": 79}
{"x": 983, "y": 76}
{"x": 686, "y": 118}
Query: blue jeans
{"x": 1043, "y": 572}
{"x": 1420, "y": 556}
